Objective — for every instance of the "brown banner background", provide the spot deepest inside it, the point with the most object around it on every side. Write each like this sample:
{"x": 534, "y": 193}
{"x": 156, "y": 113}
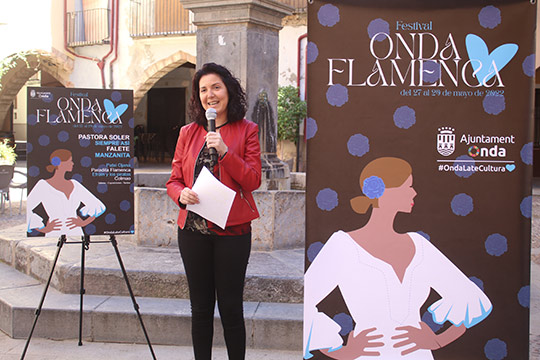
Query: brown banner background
{"x": 501, "y": 201}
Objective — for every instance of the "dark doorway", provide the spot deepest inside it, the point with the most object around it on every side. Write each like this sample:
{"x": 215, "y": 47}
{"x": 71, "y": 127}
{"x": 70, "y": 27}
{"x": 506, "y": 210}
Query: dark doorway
{"x": 166, "y": 114}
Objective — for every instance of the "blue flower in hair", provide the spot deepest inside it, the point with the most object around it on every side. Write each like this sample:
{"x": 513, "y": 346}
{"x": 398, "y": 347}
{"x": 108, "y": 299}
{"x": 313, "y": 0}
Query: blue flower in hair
{"x": 373, "y": 187}
{"x": 56, "y": 161}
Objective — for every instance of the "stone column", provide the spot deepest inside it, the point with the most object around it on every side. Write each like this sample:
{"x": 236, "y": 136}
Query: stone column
{"x": 243, "y": 36}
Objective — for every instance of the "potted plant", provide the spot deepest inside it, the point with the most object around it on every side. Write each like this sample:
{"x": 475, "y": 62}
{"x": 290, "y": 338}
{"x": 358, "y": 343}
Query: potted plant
{"x": 7, "y": 153}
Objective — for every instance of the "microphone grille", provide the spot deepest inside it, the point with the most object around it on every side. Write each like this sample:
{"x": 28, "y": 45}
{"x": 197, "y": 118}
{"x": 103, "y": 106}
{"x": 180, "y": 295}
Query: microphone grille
{"x": 211, "y": 114}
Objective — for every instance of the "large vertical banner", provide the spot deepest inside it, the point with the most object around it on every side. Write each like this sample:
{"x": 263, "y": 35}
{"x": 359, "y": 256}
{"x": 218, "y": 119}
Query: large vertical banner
{"x": 419, "y": 179}
{"x": 80, "y": 162}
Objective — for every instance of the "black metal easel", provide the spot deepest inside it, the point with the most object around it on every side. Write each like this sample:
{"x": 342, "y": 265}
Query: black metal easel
{"x": 85, "y": 242}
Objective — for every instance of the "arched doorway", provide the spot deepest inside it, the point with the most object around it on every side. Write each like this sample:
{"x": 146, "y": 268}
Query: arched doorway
{"x": 29, "y": 68}
{"x": 160, "y": 107}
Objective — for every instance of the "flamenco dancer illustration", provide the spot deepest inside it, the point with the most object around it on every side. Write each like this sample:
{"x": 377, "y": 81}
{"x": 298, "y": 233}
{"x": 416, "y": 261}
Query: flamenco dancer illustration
{"x": 61, "y": 198}
{"x": 385, "y": 277}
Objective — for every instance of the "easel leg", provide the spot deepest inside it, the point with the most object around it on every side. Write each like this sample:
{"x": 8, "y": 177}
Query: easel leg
{"x": 135, "y": 305}
{"x": 85, "y": 241}
{"x": 61, "y": 243}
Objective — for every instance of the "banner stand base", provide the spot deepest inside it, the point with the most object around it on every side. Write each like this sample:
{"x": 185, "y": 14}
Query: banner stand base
{"x": 85, "y": 244}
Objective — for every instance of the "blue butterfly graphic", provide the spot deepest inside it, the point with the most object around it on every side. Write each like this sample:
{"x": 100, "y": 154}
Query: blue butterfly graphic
{"x": 478, "y": 50}
{"x": 114, "y": 112}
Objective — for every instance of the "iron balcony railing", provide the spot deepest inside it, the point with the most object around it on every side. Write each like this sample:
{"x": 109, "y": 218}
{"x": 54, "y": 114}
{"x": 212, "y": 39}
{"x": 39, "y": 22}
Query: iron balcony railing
{"x": 88, "y": 27}
{"x": 168, "y": 17}
{"x": 160, "y": 18}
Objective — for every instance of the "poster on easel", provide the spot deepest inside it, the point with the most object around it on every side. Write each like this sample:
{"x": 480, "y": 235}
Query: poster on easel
{"x": 80, "y": 162}
{"x": 418, "y": 200}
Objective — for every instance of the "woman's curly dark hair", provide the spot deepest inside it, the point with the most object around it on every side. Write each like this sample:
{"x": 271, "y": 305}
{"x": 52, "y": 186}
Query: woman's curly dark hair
{"x": 237, "y": 106}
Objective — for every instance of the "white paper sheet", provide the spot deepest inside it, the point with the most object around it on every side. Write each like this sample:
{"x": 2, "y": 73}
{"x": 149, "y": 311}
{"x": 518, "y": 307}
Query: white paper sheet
{"x": 215, "y": 198}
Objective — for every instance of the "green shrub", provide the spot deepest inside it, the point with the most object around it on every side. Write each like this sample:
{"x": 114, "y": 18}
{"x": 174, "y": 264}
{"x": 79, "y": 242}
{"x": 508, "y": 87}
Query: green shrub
{"x": 291, "y": 110}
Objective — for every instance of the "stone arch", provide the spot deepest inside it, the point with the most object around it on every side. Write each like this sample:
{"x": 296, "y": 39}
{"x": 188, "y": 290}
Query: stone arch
{"x": 157, "y": 70}
{"x": 23, "y": 66}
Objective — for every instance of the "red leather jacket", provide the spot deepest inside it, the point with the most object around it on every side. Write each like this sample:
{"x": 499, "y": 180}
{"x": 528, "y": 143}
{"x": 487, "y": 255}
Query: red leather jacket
{"x": 239, "y": 169}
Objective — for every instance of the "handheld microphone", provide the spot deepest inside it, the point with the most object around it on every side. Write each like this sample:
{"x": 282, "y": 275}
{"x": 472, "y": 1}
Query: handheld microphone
{"x": 211, "y": 116}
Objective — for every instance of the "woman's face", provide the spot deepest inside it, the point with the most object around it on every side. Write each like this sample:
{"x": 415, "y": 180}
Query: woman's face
{"x": 66, "y": 165}
{"x": 213, "y": 93}
{"x": 399, "y": 199}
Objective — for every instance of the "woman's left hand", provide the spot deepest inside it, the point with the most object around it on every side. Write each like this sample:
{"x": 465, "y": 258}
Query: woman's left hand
{"x": 421, "y": 338}
{"x": 214, "y": 140}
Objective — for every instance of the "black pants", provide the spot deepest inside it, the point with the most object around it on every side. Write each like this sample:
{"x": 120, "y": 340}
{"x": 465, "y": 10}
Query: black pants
{"x": 216, "y": 265}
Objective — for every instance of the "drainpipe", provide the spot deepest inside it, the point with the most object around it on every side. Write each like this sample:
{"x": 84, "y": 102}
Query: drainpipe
{"x": 111, "y": 80}
{"x": 100, "y": 63}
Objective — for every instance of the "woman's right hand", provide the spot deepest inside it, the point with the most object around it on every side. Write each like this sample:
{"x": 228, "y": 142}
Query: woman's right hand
{"x": 53, "y": 225}
{"x": 188, "y": 197}
{"x": 357, "y": 346}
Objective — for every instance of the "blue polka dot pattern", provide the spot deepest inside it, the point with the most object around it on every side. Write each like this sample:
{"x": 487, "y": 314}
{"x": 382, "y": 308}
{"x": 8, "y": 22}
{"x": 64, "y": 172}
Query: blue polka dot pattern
{"x": 33, "y": 171}
{"x": 526, "y": 207}
{"x": 428, "y": 319}
{"x": 84, "y": 143}
{"x": 478, "y": 282}
{"x": 496, "y": 245}
{"x": 86, "y": 161}
{"x": 345, "y": 321}
{"x": 313, "y": 250}
{"x": 44, "y": 140}
{"x": 462, "y": 162}
{"x": 489, "y": 17}
{"x": 52, "y": 120}
{"x": 311, "y": 128}
{"x": 358, "y": 145}
{"x": 29, "y": 147}
{"x": 327, "y": 199}
{"x": 378, "y": 26}
{"x": 328, "y": 15}
{"x": 132, "y": 188}
{"x": 462, "y": 204}
{"x": 77, "y": 177}
{"x": 337, "y": 95}
{"x": 90, "y": 229}
{"x": 63, "y": 136}
{"x": 125, "y": 205}
{"x": 312, "y": 52}
{"x": 98, "y": 128}
{"x": 110, "y": 219}
{"x": 524, "y": 296}
{"x": 527, "y": 153}
{"x": 529, "y": 65}
{"x": 424, "y": 235}
{"x": 431, "y": 72}
{"x": 494, "y": 104}
{"x": 404, "y": 117}
{"x": 31, "y": 119}
{"x": 495, "y": 349}
{"x": 116, "y": 96}
{"x": 102, "y": 188}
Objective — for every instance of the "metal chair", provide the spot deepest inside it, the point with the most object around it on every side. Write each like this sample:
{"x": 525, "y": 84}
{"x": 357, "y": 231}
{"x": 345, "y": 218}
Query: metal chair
{"x": 17, "y": 182}
{"x": 6, "y": 174}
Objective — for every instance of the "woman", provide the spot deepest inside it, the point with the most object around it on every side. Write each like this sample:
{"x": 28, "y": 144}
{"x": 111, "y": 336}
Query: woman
{"x": 61, "y": 198}
{"x": 385, "y": 277}
{"x": 216, "y": 259}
